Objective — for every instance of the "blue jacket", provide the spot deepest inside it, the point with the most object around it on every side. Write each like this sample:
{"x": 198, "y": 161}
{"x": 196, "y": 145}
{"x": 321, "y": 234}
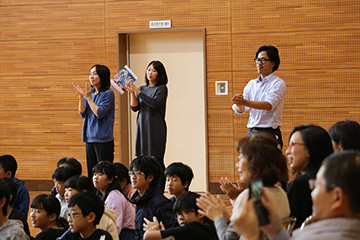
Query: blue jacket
{"x": 22, "y": 200}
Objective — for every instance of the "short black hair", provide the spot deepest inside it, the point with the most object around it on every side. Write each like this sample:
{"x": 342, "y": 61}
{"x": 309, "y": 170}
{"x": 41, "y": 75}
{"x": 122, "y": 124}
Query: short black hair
{"x": 9, "y": 163}
{"x": 161, "y": 78}
{"x": 88, "y": 202}
{"x": 71, "y": 161}
{"x": 13, "y": 188}
{"x": 273, "y": 54}
{"x": 64, "y": 173}
{"x": 149, "y": 166}
{"x": 186, "y": 203}
{"x": 347, "y": 133}
{"x": 4, "y": 193}
{"x": 122, "y": 172}
{"x": 183, "y": 171}
{"x": 104, "y": 75}
{"x": 342, "y": 169}
{"x": 80, "y": 183}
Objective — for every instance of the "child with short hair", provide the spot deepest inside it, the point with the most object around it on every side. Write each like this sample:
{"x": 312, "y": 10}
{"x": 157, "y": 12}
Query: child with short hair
{"x": 45, "y": 211}
{"x": 178, "y": 179}
{"x": 60, "y": 175}
{"x": 149, "y": 199}
{"x": 193, "y": 225}
{"x": 85, "y": 211}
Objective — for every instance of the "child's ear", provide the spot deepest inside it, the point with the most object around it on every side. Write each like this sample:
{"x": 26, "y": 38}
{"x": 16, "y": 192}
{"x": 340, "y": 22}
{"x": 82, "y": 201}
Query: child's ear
{"x": 150, "y": 178}
{"x": 186, "y": 184}
{"x": 8, "y": 174}
{"x": 91, "y": 217}
{"x": 53, "y": 217}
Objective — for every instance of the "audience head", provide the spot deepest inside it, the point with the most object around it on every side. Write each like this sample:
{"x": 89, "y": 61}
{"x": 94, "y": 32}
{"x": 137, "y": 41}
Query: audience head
{"x": 144, "y": 173}
{"x": 13, "y": 188}
{"x": 45, "y": 211}
{"x": 60, "y": 175}
{"x": 178, "y": 178}
{"x": 84, "y": 208}
{"x": 161, "y": 78}
{"x": 105, "y": 179}
{"x": 4, "y": 197}
{"x": 8, "y": 166}
{"x": 260, "y": 157}
{"x": 273, "y": 54}
{"x": 186, "y": 210}
{"x": 309, "y": 145}
{"x": 337, "y": 188}
{"x": 70, "y": 161}
{"x": 122, "y": 173}
{"x": 104, "y": 74}
{"x": 345, "y": 135}
{"x": 77, "y": 184}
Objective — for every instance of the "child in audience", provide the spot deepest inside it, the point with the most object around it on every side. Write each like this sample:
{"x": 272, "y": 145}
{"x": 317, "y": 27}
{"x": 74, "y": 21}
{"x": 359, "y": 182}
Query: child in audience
{"x": 104, "y": 179}
{"x": 85, "y": 211}
{"x": 78, "y": 184}
{"x": 67, "y": 161}
{"x": 59, "y": 176}
{"x": 12, "y": 212}
{"x": 45, "y": 210}
{"x": 178, "y": 179}
{"x": 193, "y": 225}
{"x": 9, "y": 229}
{"x": 149, "y": 199}
{"x": 122, "y": 173}
{"x": 8, "y": 167}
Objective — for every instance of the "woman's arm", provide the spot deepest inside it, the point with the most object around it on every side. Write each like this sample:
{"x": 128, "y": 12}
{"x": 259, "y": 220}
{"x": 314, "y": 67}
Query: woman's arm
{"x": 81, "y": 94}
{"x": 158, "y": 99}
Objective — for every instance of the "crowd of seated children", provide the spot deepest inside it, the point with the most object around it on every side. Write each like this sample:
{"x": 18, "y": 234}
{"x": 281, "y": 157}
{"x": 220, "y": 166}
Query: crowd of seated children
{"x": 259, "y": 157}
{"x": 149, "y": 199}
{"x": 345, "y": 135}
{"x": 308, "y": 146}
{"x": 8, "y": 167}
{"x": 67, "y": 161}
{"x": 85, "y": 212}
{"x": 45, "y": 211}
{"x": 9, "y": 229}
{"x": 193, "y": 225}
{"x": 122, "y": 173}
{"x": 78, "y": 184}
{"x": 12, "y": 212}
{"x": 178, "y": 178}
{"x": 336, "y": 205}
{"x": 59, "y": 176}
{"x": 108, "y": 188}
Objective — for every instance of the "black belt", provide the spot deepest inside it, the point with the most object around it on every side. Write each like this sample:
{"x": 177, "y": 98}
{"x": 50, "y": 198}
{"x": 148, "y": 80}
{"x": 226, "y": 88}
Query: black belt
{"x": 264, "y": 129}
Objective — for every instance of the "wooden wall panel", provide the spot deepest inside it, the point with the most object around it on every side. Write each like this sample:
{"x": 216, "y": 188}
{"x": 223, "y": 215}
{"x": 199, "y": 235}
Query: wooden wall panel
{"x": 220, "y": 127}
{"x": 218, "y": 52}
{"x": 218, "y": 101}
{"x": 300, "y": 50}
{"x": 135, "y": 15}
{"x": 55, "y": 57}
{"x": 42, "y": 2}
{"x": 221, "y": 163}
{"x": 284, "y": 16}
{"x": 52, "y": 21}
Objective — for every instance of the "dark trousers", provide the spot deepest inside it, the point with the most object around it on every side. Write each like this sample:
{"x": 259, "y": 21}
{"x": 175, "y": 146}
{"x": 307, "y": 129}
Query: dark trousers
{"x": 96, "y": 152}
{"x": 127, "y": 234}
{"x": 276, "y": 133}
{"x": 162, "y": 179}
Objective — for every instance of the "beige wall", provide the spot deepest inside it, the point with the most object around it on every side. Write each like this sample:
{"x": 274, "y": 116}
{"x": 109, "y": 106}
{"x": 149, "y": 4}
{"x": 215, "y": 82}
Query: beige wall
{"x": 45, "y": 45}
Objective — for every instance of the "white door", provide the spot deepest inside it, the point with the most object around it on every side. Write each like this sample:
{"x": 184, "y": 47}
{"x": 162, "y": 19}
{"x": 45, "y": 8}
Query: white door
{"x": 182, "y": 54}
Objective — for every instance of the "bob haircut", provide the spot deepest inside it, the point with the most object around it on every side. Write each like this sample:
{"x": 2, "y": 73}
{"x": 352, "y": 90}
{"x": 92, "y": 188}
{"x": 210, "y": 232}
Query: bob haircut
{"x": 273, "y": 54}
{"x": 108, "y": 169}
{"x": 70, "y": 161}
{"x": 80, "y": 183}
{"x": 265, "y": 159}
{"x": 161, "y": 78}
{"x": 342, "y": 170}
{"x": 149, "y": 166}
{"x": 64, "y": 173}
{"x": 88, "y": 202}
{"x": 183, "y": 171}
{"x": 347, "y": 133}
{"x": 104, "y": 75}
{"x": 317, "y": 142}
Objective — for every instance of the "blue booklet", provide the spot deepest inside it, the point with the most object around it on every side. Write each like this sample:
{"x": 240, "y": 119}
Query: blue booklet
{"x": 119, "y": 80}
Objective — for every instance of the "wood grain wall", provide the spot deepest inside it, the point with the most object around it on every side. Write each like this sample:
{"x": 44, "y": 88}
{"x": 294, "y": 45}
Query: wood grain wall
{"x": 45, "y": 45}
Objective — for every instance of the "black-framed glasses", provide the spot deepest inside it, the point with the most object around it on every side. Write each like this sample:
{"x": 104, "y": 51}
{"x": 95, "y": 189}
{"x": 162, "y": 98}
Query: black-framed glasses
{"x": 136, "y": 174}
{"x": 261, "y": 60}
{"x": 71, "y": 215}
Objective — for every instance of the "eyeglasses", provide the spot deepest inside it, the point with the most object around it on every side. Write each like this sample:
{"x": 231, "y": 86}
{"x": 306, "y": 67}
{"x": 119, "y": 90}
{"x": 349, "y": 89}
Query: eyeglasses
{"x": 183, "y": 214}
{"x": 136, "y": 174}
{"x": 261, "y": 60}
{"x": 71, "y": 215}
{"x": 294, "y": 144}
